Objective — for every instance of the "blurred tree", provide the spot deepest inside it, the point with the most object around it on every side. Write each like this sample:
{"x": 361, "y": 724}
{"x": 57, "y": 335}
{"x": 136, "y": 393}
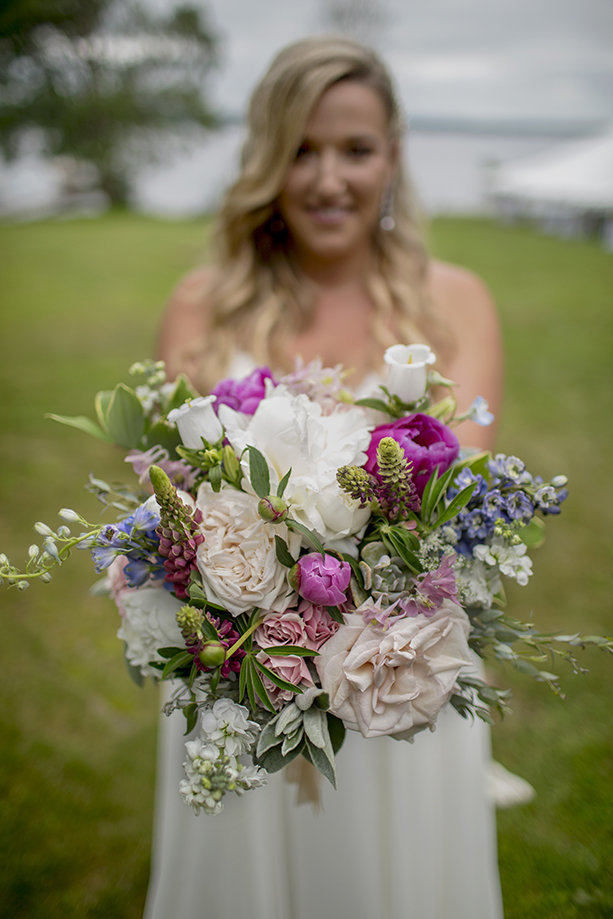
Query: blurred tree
{"x": 103, "y": 81}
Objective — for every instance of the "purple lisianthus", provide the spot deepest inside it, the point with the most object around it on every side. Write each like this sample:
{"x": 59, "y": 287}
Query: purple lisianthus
{"x": 425, "y": 441}
{"x": 322, "y": 581}
{"x": 244, "y": 395}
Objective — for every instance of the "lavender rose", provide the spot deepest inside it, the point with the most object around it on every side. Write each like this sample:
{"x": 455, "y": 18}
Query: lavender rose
{"x": 244, "y": 395}
{"x": 425, "y": 441}
{"x": 323, "y": 581}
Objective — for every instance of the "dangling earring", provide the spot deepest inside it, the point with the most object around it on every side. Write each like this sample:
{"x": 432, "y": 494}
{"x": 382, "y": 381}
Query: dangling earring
{"x": 386, "y": 219}
{"x": 276, "y": 225}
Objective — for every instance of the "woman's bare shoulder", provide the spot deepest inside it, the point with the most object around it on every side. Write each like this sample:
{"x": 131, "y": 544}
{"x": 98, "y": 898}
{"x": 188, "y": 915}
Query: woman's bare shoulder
{"x": 459, "y": 294}
{"x": 185, "y": 319}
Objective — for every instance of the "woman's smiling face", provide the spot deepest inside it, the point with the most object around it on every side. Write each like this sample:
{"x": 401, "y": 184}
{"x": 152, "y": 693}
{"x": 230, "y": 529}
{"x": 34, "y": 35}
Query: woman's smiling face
{"x": 331, "y": 200}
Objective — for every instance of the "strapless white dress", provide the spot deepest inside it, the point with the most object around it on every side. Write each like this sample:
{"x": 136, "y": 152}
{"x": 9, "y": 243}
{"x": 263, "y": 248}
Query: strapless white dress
{"x": 410, "y": 834}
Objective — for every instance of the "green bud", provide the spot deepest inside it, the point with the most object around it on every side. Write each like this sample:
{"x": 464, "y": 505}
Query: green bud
{"x": 273, "y": 509}
{"x": 293, "y": 577}
{"x": 213, "y": 654}
{"x": 230, "y": 462}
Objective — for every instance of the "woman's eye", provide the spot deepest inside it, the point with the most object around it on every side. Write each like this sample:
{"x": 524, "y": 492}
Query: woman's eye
{"x": 358, "y": 151}
{"x": 302, "y": 151}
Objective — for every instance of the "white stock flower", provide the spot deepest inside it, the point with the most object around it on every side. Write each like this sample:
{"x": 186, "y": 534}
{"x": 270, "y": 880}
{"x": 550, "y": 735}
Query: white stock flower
{"x": 196, "y": 419}
{"x": 227, "y": 725}
{"x": 149, "y": 623}
{"x": 292, "y": 433}
{"x": 477, "y": 583}
{"x": 407, "y": 370}
{"x": 237, "y": 560}
{"x": 511, "y": 561}
{"x": 394, "y": 680}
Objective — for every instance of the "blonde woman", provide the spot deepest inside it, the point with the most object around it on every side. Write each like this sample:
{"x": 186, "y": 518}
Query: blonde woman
{"x": 318, "y": 254}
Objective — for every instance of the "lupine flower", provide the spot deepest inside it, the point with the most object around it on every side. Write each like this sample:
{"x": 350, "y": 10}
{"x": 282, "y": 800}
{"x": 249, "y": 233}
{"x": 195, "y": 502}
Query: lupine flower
{"x": 178, "y": 531}
{"x": 425, "y": 441}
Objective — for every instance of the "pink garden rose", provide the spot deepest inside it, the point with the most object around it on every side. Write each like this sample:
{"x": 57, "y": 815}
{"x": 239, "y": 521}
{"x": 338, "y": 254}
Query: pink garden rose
{"x": 318, "y": 624}
{"x": 291, "y": 668}
{"x": 281, "y": 629}
{"x": 395, "y": 679}
{"x": 425, "y": 441}
{"x": 243, "y": 395}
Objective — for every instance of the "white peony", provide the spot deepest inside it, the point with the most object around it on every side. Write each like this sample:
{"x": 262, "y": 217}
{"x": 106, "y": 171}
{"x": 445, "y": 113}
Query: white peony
{"x": 394, "y": 680}
{"x": 149, "y": 623}
{"x": 237, "y": 560}
{"x": 292, "y": 433}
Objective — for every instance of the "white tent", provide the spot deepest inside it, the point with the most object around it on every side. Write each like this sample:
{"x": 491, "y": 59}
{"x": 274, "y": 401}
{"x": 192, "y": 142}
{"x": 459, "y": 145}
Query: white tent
{"x": 568, "y": 189}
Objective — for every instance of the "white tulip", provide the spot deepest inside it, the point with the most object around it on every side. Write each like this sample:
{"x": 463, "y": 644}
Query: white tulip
{"x": 407, "y": 370}
{"x": 196, "y": 419}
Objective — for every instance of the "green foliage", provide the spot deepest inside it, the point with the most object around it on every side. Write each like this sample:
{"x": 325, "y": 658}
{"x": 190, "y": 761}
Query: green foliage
{"x": 106, "y": 81}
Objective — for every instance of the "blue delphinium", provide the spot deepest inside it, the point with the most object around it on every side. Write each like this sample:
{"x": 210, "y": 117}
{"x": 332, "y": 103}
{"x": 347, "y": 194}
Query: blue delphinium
{"x": 511, "y": 496}
{"x": 134, "y": 537}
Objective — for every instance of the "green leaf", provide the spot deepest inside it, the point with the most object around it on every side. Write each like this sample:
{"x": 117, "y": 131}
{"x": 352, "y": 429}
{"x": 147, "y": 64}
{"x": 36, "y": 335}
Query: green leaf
{"x": 291, "y": 741}
{"x": 321, "y": 762}
{"x": 283, "y": 483}
{"x": 456, "y": 505}
{"x": 81, "y": 423}
{"x": 180, "y": 394}
{"x": 125, "y": 417}
{"x": 242, "y": 680}
{"x": 296, "y": 650}
{"x": 248, "y": 664}
{"x": 267, "y": 739}
{"x": 258, "y": 473}
{"x": 101, "y": 404}
{"x": 533, "y": 535}
{"x": 284, "y": 556}
{"x": 308, "y": 534}
{"x": 396, "y": 538}
{"x": 134, "y": 672}
{"x": 169, "y": 653}
{"x": 162, "y": 434}
{"x": 378, "y": 404}
{"x": 335, "y": 614}
{"x": 182, "y": 659}
{"x": 316, "y": 726}
{"x": 260, "y": 689}
{"x": 273, "y": 760}
{"x": 214, "y": 477}
{"x": 191, "y": 717}
{"x": 337, "y": 731}
{"x": 277, "y": 680}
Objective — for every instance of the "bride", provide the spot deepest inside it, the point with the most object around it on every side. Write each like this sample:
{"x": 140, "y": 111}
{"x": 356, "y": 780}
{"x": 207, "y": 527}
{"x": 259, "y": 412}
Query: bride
{"x": 318, "y": 254}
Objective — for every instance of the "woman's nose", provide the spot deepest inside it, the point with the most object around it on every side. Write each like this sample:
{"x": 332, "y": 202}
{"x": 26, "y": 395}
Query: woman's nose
{"x": 330, "y": 179}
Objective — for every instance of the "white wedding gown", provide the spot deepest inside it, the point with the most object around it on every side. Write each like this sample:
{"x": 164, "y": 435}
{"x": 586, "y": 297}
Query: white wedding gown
{"x": 410, "y": 834}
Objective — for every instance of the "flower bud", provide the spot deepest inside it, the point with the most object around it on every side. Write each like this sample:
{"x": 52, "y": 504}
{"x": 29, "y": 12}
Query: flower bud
{"x": 33, "y": 551}
{"x": 559, "y": 481}
{"x": 67, "y": 514}
{"x": 43, "y": 529}
{"x": 212, "y": 654}
{"x": 273, "y": 509}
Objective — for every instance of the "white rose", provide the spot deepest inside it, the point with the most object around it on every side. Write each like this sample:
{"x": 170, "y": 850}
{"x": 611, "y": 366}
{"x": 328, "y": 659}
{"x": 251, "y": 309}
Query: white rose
{"x": 196, "y": 419}
{"x": 238, "y": 560}
{"x": 407, "y": 370}
{"x": 395, "y": 680}
{"x": 149, "y": 623}
{"x": 291, "y": 432}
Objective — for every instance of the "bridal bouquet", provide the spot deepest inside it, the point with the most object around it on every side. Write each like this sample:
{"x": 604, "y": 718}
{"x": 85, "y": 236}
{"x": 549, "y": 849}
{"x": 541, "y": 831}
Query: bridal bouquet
{"x": 300, "y": 562}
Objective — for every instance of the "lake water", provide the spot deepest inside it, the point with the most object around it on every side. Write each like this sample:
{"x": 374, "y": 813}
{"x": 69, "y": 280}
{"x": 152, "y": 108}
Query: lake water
{"x": 449, "y": 168}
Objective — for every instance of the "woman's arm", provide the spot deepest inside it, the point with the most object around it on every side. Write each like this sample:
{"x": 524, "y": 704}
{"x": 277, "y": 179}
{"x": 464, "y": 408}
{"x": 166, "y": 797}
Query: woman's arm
{"x": 476, "y": 365}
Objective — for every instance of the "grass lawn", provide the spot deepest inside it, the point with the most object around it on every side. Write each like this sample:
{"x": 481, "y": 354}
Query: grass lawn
{"x": 81, "y": 300}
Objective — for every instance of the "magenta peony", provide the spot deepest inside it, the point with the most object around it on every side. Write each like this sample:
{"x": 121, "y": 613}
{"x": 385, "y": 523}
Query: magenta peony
{"x": 322, "y": 580}
{"x": 243, "y": 395}
{"x": 425, "y": 441}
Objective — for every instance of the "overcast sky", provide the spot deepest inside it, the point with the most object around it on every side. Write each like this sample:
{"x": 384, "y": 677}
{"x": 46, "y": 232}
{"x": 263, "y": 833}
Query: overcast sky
{"x": 509, "y": 59}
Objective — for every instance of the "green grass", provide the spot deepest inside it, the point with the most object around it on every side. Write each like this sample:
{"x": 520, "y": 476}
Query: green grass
{"x": 81, "y": 300}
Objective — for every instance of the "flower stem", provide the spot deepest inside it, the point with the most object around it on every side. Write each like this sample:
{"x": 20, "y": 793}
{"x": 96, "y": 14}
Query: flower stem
{"x": 244, "y": 636}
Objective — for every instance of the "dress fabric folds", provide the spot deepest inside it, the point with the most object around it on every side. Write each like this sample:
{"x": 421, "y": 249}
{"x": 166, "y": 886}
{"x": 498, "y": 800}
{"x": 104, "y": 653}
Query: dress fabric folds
{"x": 409, "y": 834}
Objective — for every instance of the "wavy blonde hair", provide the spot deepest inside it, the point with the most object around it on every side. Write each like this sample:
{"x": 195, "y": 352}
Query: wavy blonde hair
{"x": 256, "y": 298}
